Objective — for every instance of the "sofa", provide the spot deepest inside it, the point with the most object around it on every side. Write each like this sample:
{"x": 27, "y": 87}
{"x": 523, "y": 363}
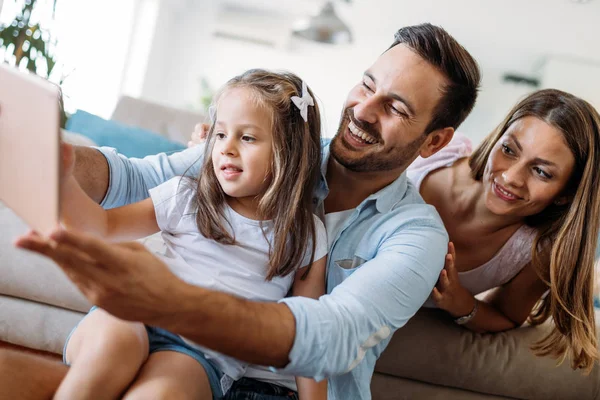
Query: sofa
{"x": 429, "y": 358}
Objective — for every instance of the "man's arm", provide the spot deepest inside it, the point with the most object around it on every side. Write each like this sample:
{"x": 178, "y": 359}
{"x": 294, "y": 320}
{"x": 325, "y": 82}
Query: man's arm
{"x": 91, "y": 172}
{"x": 114, "y": 180}
{"x": 317, "y": 338}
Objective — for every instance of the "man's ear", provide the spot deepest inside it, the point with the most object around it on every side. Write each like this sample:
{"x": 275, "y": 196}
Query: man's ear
{"x": 436, "y": 141}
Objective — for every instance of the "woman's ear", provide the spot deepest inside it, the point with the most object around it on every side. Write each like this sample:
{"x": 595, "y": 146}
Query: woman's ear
{"x": 561, "y": 200}
{"x": 436, "y": 141}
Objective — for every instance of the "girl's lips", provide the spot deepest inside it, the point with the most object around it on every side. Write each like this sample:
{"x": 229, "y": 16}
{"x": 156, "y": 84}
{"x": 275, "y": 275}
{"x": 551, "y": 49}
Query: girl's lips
{"x": 231, "y": 171}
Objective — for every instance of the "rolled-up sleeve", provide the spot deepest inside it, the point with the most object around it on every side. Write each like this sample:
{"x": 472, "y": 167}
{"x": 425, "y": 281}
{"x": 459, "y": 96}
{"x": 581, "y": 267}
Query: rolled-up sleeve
{"x": 334, "y": 333}
{"x": 131, "y": 178}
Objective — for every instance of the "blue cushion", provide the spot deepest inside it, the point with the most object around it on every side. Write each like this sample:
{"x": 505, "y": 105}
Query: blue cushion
{"x": 128, "y": 140}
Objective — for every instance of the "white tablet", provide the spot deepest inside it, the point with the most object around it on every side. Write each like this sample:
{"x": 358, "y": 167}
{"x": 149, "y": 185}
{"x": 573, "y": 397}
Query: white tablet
{"x": 30, "y": 147}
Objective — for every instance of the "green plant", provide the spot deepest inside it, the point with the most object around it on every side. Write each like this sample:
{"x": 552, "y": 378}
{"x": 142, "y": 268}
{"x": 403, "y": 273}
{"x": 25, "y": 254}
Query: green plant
{"x": 28, "y": 42}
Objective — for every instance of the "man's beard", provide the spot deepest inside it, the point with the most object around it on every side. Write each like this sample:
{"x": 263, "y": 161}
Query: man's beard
{"x": 376, "y": 158}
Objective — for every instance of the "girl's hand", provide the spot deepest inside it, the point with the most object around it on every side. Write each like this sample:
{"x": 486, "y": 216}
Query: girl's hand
{"x": 199, "y": 135}
{"x": 448, "y": 294}
{"x": 67, "y": 154}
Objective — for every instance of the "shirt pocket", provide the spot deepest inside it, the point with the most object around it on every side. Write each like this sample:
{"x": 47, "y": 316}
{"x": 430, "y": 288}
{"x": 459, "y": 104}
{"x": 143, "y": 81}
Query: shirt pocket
{"x": 342, "y": 269}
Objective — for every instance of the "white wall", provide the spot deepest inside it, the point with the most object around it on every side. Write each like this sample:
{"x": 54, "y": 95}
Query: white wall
{"x": 503, "y": 35}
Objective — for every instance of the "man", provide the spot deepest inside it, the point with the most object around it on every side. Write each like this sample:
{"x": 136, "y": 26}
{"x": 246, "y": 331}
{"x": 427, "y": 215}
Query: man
{"x": 387, "y": 246}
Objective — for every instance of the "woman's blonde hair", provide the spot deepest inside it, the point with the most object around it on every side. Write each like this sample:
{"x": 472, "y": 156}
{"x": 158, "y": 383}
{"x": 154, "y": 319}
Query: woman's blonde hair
{"x": 293, "y": 173}
{"x": 564, "y": 249}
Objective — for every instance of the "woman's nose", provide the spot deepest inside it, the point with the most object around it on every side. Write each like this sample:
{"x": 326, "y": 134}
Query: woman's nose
{"x": 513, "y": 176}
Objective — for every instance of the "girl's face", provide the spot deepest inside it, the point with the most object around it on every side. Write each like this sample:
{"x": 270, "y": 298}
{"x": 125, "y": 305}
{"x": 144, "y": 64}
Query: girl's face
{"x": 528, "y": 169}
{"x": 242, "y": 151}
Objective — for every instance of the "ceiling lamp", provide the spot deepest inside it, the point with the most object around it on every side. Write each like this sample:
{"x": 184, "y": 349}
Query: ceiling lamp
{"x": 325, "y": 27}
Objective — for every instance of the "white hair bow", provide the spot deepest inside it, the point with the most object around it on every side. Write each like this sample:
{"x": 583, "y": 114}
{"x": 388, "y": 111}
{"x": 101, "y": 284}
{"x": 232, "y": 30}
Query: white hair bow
{"x": 212, "y": 113}
{"x": 303, "y": 102}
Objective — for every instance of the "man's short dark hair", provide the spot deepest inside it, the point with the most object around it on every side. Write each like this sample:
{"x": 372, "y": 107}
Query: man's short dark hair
{"x": 442, "y": 51}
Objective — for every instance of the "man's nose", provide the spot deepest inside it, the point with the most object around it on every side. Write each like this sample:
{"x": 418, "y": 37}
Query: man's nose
{"x": 366, "y": 109}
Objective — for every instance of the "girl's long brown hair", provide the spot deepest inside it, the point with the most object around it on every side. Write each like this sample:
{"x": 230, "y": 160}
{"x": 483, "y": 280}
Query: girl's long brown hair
{"x": 294, "y": 172}
{"x": 564, "y": 248}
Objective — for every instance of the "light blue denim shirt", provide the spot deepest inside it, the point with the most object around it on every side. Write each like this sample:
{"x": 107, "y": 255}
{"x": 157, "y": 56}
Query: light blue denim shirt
{"x": 381, "y": 268}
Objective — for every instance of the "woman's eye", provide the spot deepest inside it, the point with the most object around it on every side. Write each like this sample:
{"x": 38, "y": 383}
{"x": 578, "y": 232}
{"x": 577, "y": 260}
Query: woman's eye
{"x": 507, "y": 150}
{"x": 542, "y": 173}
{"x": 367, "y": 86}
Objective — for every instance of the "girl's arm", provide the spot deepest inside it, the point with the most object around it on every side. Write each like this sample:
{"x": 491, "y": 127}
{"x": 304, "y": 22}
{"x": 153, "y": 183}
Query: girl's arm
{"x": 81, "y": 213}
{"x": 312, "y": 286}
{"x": 505, "y": 308}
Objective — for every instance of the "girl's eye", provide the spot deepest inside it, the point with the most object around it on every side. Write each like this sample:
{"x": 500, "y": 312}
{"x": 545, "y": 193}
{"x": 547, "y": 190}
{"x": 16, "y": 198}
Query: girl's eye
{"x": 220, "y": 135}
{"x": 542, "y": 173}
{"x": 249, "y": 139}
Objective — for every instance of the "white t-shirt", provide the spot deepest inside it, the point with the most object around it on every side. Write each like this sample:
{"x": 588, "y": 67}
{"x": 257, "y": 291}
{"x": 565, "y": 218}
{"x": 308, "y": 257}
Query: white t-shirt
{"x": 239, "y": 269}
{"x": 333, "y": 223}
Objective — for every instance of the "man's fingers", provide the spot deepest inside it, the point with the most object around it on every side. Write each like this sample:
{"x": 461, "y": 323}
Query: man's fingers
{"x": 34, "y": 242}
{"x": 97, "y": 249}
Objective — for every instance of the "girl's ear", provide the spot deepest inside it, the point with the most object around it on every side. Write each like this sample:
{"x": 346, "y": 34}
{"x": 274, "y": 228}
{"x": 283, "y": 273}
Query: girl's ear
{"x": 436, "y": 141}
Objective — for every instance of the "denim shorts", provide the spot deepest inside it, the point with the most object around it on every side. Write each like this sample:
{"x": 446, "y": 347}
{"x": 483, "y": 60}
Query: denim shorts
{"x": 251, "y": 389}
{"x": 162, "y": 340}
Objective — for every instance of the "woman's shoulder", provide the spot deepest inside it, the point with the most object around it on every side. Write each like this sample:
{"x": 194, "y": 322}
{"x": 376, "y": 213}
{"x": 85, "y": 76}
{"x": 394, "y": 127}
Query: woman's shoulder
{"x": 459, "y": 147}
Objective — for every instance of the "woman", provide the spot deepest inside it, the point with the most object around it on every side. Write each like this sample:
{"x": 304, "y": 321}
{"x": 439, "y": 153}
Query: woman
{"x": 522, "y": 212}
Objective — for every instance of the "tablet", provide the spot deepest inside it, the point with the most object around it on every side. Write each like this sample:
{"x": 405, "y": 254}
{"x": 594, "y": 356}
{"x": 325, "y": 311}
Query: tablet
{"x": 30, "y": 147}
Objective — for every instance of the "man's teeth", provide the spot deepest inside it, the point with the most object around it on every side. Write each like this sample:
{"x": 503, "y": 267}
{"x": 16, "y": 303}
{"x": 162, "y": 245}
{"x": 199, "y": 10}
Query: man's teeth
{"x": 360, "y": 134}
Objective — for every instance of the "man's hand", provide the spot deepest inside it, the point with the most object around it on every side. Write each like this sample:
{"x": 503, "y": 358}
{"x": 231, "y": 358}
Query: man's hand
{"x": 125, "y": 279}
{"x": 199, "y": 135}
{"x": 448, "y": 294}
{"x": 132, "y": 284}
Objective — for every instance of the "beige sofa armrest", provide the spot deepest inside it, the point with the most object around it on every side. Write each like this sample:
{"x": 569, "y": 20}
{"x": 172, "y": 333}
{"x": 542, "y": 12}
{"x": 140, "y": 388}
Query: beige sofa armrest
{"x": 170, "y": 122}
{"x": 431, "y": 348}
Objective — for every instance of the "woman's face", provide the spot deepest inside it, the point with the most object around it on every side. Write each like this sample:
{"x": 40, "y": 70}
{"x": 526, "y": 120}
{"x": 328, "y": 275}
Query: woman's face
{"x": 528, "y": 169}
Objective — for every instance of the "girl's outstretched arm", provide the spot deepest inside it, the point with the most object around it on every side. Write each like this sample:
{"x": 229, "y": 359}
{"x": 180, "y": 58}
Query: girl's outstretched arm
{"x": 80, "y": 212}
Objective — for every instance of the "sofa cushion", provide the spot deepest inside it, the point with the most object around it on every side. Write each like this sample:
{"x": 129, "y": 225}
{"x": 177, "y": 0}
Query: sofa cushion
{"x": 431, "y": 348}
{"x": 128, "y": 140}
{"x": 30, "y": 276}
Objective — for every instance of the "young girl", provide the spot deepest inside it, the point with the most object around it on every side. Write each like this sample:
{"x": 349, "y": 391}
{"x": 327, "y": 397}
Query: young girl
{"x": 523, "y": 213}
{"x": 245, "y": 227}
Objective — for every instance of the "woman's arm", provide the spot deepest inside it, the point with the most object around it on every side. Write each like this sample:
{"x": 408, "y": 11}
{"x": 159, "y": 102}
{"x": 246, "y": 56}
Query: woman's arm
{"x": 312, "y": 286}
{"x": 505, "y": 308}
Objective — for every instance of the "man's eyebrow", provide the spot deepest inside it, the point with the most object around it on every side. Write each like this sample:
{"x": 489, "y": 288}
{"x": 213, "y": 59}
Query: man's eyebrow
{"x": 395, "y": 96}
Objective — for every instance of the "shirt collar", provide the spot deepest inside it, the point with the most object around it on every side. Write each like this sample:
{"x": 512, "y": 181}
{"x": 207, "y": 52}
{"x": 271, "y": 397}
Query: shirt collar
{"x": 385, "y": 199}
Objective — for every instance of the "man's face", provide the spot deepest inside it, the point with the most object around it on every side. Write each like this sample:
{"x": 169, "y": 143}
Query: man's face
{"x": 384, "y": 119}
